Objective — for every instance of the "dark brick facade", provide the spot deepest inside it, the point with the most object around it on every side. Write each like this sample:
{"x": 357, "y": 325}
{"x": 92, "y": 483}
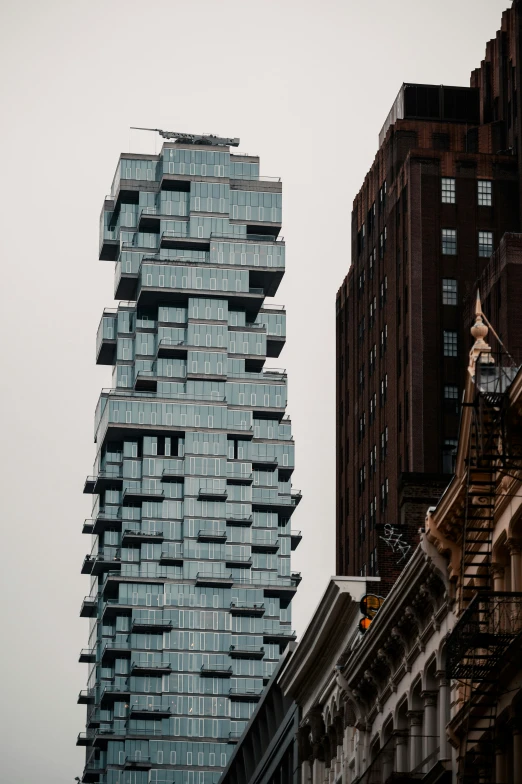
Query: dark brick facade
{"x": 396, "y": 418}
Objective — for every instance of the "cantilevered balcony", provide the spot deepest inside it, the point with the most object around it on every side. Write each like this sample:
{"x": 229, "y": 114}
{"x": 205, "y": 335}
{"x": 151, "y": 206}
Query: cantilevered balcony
{"x": 209, "y": 579}
{"x": 171, "y": 238}
{"x": 114, "y": 693}
{"x": 101, "y": 562}
{"x": 146, "y": 381}
{"x": 264, "y": 463}
{"x": 283, "y": 587}
{"x": 85, "y": 738}
{"x": 212, "y": 534}
{"x": 149, "y": 219}
{"x": 295, "y": 538}
{"x": 215, "y": 671}
{"x": 171, "y": 347}
{"x": 141, "y": 493}
{"x": 284, "y": 503}
{"x": 88, "y": 526}
{"x": 89, "y": 606}
{"x": 249, "y": 609}
{"x": 137, "y": 535}
{"x": 87, "y": 656}
{"x": 106, "y": 337}
{"x": 264, "y": 543}
{"x": 111, "y": 478}
{"x": 174, "y": 472}
{"x": 232, "y": 559}
{"x": 279, "y": 635}
{"x": 212, "y": 494}
{"x": 125, "y": 280}
{"x": 244, "y": 695}
{"x": 86, "y": 697}
{"x": 240, "y": 519}
{"x": 106, "y": 518}
{"x": 239, "y": 477}
{"x": 112, "y": 607}
{"x": 149, "y": 711}
{"x": 136, "y": 762}
{"x": 109, "y": 244}
{"x": 113, "y": 649}
{"x": 171, "y": 553}
{"x": 246, "y": 652}
{"x": 151, "y": 623}
{"x": 92, "y": 770}
{"x": 150, "y": 667}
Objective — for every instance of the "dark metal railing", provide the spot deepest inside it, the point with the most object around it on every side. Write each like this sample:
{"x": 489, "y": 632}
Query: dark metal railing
{"x": 483, "y": 634}
{"x": 387, "y": 762}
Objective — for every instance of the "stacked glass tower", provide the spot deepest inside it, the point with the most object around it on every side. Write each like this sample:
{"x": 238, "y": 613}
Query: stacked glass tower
{"x": 190, "y": 571}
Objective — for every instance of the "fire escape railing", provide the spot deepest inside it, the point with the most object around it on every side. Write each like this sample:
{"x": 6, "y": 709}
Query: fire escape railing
{"x": 479, "y": 644}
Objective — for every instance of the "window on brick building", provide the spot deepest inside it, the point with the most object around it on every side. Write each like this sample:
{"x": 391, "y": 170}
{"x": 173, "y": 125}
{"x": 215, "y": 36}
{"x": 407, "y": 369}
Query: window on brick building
{"x": 362, "y": 528}
{"x": 451, "y": 394}
{"x": 362, "y": 427}
{"x": 484, "y": 193}
{"x": 449, "y": 291}
{"x": 362, "y": 479}
{"x": 384, "y": 443}
{"x": 373, "y": 512}
{"x": 448, "y": 190}
{"x": 361, "y": 378}
{"x": 374, "y": 571}
{"x": 384, "y": 495}
{"x": 485, "y": 244}
{"x": 449, "y": 242}
{"x": 384, "y": 389}
{"x": 450, "y": 343}
{"x": 449, "y": 454}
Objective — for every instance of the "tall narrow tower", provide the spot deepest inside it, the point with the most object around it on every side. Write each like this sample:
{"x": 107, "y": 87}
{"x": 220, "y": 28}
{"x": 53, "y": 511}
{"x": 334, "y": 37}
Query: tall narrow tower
{"x": 190, "y": 571}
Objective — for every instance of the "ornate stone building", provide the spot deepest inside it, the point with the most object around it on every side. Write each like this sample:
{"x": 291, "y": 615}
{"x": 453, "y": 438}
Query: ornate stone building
{"x": 431, "y": 691}
{"x": 477, "y": 528}
{"x": 376, "y": 704}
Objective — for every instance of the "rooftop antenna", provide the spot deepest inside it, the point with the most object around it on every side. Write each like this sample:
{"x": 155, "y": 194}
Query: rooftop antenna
{"x": 193, "y": 138}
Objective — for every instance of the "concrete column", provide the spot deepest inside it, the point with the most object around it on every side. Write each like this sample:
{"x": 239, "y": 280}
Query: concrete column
{"x": 401, "y": 751}
{"x": 431, "y": 731}
{"x": 415, "y": 719}
{"x": 387, "y": 763}
{"x": 443, "y": 715}
{"x": 497, "y": 571}
{"x": 318, "y": 770}
{"x": 306, "y": 772}
{"x": 515, "y": 550}
{"x": 517, "y": 755}
{"x": 500, "y": 764}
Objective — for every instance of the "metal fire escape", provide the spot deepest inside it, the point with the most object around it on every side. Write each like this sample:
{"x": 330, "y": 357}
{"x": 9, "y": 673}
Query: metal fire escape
{"x": 488, "y": 622}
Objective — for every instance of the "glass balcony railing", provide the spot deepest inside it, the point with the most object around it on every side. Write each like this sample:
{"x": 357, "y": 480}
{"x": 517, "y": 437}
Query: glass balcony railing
{"x": 238, "y": 606}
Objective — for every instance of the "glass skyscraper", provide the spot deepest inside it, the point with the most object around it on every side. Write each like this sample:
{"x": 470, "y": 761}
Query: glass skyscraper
{"x": 190, "y": 572}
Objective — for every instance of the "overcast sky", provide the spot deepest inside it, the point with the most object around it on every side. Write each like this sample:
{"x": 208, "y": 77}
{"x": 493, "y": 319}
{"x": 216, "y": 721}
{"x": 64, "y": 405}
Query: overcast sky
{"x": 307, "y": 86}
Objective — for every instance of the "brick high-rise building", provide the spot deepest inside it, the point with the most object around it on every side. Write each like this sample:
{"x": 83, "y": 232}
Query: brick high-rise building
{"x": 441, "y": 193}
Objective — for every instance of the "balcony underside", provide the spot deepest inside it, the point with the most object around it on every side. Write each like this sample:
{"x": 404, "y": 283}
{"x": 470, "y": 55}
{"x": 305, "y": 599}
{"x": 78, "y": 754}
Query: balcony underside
{"x": 107, "y": 352}
{"x": 242, "y": 300}
{"x": 109, "y": 250}
{"x": 274, "y": 345}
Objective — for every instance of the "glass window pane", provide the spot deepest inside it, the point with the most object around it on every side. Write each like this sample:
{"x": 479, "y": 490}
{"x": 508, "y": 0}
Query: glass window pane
{"x": 449, "y": 242}
{"x": 448, "y": 190}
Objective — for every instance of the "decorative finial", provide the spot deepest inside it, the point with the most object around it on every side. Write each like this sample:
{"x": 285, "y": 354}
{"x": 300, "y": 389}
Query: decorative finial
{"x": 480, "y": 351}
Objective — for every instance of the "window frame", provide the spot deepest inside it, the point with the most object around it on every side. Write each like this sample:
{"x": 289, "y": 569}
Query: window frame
{"x": 448, "y": 194}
